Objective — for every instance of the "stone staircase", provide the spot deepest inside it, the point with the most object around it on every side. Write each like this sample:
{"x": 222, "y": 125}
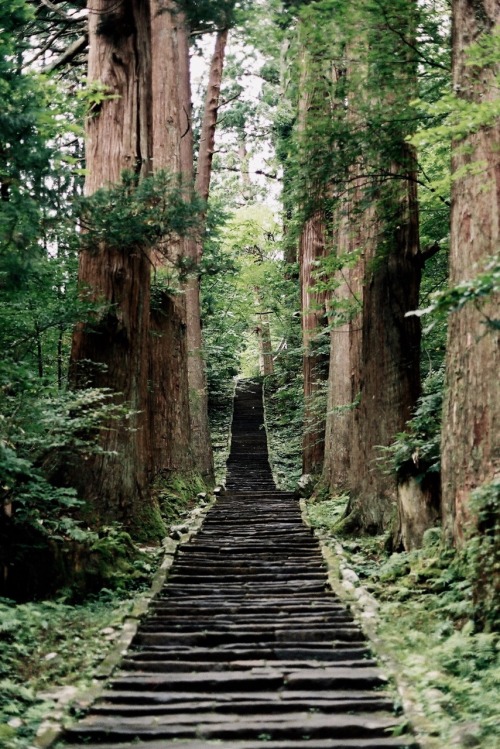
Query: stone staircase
{"x": 246, "y": 647}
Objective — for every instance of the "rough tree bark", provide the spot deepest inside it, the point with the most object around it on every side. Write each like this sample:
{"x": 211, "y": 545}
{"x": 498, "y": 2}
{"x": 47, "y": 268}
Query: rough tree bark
{"x": 389, "y": 366}
{"x": 344, "y": 368}
{"x": 198, "y": 396}
{"x": 311, "y": 249}
{"x": 111, "y": 351}
{"x": 168, "y": 412}
{"x": 263, "y": 332}
{"x": 471, "y": 414}
{"x": 374, "y": 375}
{"x": 312, "y": 103}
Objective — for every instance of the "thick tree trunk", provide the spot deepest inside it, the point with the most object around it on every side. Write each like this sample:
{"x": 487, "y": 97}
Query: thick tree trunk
{"x": 344, "y": 370}
{"x": 313, "y": 104}
{"x": 198, "y": 395}
{"x": 471, "y": 414}
{"x": 111, "y": 351}
{"x": 390, "y": 346}
{"x": 311, "y": 249}
{"x": 168, "y": 413}
{"x": 380, "y": 224}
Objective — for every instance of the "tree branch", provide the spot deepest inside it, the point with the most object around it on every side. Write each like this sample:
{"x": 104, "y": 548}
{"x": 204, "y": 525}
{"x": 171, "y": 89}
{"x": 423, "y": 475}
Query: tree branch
{"x": 55, "y": 9}
{"x": 429, "y": 252}
{"x": 68, "y": 55}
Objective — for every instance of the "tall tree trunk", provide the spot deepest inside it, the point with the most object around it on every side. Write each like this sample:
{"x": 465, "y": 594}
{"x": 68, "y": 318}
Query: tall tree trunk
{"x": 311, "y": 249}
{"x": 374, "y": 377}
{"x": 263, "y": 332}
{"x": 111, "y": 351}
{"x": 198, "y": 395}
{"x": 390, "y": 345}
{"x": 168, "y": 413}
{"x": 313, "y": 102}
{"x": 471, "y": 414}
{"x": 344, "y": 314}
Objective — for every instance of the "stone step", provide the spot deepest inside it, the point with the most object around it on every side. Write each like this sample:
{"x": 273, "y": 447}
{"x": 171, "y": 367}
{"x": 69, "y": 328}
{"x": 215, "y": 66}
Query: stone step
{"x": 401, "y": 742}
{"x": 164, "y": 665}
{"x": 267, "y": 678}
{"x": 291, "y": 725}
{"x": 291, "y": 653}
{"x": 132, "y": 703}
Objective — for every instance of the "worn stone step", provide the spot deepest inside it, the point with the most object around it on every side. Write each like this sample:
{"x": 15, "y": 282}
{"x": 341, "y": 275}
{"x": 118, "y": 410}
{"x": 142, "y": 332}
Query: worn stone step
{"x": 165, "y": 665}
{"x": 234, "y": 637}
{"x": 159, "y": 624}
{"x": 292, "y": 725}
{"x": 269, "y": 678}
{"x": 207, "y": 704}
{"x": 284, "y": 606}
{"x": 291, "y": 653}
{"x": 401, "y": 742}
{"x": 185, "y": 620}
{"x": 285, "y": 696}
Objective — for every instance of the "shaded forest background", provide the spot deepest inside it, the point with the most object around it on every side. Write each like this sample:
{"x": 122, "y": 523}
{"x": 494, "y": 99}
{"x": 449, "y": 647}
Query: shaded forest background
{"x": 326, "y": 216}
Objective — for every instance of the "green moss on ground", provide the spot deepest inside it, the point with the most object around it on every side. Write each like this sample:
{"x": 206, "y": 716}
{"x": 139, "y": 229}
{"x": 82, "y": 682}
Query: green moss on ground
{"x": 46, "y": 646}
{"x": 431, "y": 629}
{"x": 177, "y": 494}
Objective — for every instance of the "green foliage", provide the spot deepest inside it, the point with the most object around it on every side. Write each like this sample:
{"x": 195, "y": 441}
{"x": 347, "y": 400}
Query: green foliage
{"x": 37, "y": 426}
{"x": 48, "y": 645}
{"x": 439, "y": 646}
{"x": 326, "y": 512}
{"x": 461, "y": 113}
{"x": 482, "y": 553}
{"x": 416, "y": 452}
{"x": 284, "y": 410}
{"x": 477, "y": 291}
{"x": 94, "y": 94}
{"x": 176, "y": 494}
{"x": 223, "y": 315}
{"x": 204, "y": 15}
{"x": 139, "y": 213}
{"x": 220, "y": 417}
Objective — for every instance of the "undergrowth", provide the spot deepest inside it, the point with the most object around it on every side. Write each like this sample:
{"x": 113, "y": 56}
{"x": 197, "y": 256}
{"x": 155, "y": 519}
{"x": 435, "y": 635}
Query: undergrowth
{"x": 49, "y": 645}
{"x": 443, "y": 640}
{"x": 220, "y": 417}
{"x": 283, "y": 416}
{"x": 177, "y": 494}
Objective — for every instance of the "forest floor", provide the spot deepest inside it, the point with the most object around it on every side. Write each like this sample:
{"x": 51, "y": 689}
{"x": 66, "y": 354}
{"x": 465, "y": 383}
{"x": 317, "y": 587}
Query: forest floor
{"x": 447, "y": 672}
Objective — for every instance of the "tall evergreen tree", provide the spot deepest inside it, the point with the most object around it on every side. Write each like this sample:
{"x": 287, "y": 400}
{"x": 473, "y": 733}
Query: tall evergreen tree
{"x": 112, "y": 350}
{"x": 471, "y": 416}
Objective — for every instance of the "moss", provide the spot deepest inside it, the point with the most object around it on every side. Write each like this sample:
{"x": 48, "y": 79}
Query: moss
{"x": 444, "y": 654}
{"x": 148, "y": 524}
{"x": 176, "y": 493}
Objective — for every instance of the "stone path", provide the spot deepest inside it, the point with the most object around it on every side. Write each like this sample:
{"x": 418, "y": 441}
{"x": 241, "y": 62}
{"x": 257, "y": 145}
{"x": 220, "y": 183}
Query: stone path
{"x": 245, "y": 647}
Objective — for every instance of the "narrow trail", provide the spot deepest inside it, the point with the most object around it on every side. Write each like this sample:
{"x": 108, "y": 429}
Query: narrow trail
{"x": 245, "y": 647}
